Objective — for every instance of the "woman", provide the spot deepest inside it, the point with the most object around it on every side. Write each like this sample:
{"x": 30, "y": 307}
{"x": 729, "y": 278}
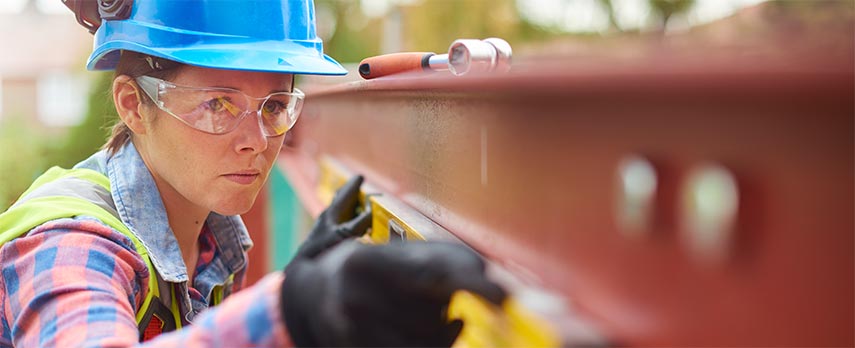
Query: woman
{"x": 141, "y": 238}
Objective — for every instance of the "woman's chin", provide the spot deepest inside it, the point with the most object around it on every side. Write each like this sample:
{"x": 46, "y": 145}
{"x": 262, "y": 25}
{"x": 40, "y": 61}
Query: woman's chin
{"x": 229, "y": 212}
{"x": 235, "y": 207}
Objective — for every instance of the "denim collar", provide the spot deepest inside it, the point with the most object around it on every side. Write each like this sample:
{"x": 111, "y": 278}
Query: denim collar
{"x": 141, "y": 209}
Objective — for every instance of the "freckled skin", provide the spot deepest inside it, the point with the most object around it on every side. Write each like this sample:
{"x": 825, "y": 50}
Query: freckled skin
{"x": 189, "y": 165}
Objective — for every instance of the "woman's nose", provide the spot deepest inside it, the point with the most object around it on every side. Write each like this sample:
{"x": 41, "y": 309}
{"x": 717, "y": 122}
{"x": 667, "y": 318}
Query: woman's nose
{"x": 250, "y": 135}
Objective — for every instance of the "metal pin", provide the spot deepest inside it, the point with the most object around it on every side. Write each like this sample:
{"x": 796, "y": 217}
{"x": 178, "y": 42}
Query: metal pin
{"x": 637, "y": 183}
{"x": 709, "y": 211}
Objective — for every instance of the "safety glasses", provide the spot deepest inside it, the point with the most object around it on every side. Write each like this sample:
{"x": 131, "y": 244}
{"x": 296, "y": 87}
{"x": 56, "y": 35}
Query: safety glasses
{"x": 218, "y": 110}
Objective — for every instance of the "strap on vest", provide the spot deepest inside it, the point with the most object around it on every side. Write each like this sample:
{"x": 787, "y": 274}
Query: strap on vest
{"x": 65, "y": 193}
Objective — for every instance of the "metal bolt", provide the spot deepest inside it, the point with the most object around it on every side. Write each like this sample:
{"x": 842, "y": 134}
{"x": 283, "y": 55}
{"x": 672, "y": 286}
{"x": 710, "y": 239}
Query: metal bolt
{"x": 709, "y": 211}
{"x": 467, "y": 55}
{"x": 637, "y": 184}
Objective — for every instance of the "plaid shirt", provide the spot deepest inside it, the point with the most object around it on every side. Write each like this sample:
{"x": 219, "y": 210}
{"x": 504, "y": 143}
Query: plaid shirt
{"x": 77, "y": 282}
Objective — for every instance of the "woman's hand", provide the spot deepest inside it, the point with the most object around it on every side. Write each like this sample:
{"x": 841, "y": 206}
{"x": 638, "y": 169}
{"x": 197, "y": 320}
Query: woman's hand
{"x": 393, "y": 295}
{"x": 338, "y": 222}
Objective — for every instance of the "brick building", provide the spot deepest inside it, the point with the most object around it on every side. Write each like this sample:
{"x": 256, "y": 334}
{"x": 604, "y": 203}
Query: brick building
{"x": 43, "y": 80}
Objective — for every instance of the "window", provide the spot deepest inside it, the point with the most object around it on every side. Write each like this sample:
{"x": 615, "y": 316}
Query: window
{"x": 12, "y": 6}
{"x": 61, "y": 99}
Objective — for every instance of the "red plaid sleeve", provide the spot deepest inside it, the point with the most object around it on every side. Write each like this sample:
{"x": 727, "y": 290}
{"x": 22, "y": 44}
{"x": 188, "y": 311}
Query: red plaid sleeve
{"x": 71, "y": 283}
{"x": 76, "y": 282}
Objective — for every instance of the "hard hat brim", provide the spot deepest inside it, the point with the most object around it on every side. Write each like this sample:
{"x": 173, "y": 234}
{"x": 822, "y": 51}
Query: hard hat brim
{"x": 209, "y": 51}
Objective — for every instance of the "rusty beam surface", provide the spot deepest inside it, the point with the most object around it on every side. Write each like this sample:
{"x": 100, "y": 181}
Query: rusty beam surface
{"x": 525, "y": 168}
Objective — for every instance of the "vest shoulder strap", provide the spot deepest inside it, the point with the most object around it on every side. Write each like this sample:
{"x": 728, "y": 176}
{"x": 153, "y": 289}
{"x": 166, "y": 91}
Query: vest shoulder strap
{"x": 65, "y": 193}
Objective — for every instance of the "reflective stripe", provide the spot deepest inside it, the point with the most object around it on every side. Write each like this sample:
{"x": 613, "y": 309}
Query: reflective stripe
{"x": 56, "y": 173}
{"x": 76, "y": 188}
{"x": 37, "y": 211}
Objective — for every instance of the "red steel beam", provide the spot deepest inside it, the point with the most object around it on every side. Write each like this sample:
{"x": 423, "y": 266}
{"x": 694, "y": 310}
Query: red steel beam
{"x": 522, "y": 167}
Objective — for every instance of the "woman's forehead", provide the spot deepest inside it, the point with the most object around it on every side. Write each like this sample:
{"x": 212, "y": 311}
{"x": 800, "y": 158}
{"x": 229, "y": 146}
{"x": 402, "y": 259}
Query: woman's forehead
{"x": 247, "y": 81}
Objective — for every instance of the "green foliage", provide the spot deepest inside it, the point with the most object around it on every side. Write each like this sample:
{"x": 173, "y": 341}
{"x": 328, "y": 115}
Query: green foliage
{"x": 664, "y": 9}
{"x": 427, "y": 25}
{"x": 355, "y": 36}
{"x": 21, "y": 160}
{"x": 86, "y": 138}
{"x": 434, "y": 24}
{"x": 25, "y": 152}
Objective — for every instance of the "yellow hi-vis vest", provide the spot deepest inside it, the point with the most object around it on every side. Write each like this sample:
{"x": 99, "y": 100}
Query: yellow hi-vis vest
{"x": 64, "y": 193}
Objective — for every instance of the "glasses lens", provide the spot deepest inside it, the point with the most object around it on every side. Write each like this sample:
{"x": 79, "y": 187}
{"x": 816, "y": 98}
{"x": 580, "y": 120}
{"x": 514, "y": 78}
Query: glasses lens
{"x": 280, "y": 111}
{"x": 220, "y": 110}
{"x": 210, "y": 110}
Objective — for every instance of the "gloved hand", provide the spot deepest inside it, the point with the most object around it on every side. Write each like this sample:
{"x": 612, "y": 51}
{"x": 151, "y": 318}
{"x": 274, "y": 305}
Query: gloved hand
{"x": 338, "y": 222}
{"x": 393, "y": 295}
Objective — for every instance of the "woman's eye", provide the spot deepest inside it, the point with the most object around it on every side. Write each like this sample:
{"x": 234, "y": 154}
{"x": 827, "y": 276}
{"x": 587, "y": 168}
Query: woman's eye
{"x": 273, "y": 107}
{"x": 216, "y": 104}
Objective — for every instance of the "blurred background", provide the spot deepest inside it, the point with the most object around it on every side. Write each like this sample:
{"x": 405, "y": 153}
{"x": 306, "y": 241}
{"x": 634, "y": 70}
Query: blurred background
{"x": 53, "y": 112}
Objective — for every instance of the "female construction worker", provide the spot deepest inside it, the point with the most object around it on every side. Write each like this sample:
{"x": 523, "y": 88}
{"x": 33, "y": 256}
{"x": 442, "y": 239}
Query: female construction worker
{"x": 135, "y": 243}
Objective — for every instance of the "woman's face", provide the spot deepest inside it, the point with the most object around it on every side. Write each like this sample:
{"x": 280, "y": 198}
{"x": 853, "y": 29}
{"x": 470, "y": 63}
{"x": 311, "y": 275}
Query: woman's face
{"x": 221, "y": 173}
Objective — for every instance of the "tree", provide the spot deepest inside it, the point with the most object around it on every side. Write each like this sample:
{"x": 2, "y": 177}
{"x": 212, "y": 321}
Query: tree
{"x": 665, "y": 9}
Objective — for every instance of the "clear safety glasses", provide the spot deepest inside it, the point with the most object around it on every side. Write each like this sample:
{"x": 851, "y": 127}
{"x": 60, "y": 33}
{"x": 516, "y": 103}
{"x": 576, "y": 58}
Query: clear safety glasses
{"x": 218, "y": 110}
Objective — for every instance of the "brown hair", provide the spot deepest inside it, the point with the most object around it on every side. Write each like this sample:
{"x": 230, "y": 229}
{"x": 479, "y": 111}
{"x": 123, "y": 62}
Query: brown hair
{"x": 134, "y": 64}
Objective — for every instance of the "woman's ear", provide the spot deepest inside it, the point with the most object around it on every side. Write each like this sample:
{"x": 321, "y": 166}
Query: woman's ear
{"x": 129, "y": 104}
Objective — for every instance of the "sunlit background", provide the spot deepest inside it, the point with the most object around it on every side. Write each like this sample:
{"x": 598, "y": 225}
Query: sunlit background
{"x": 53, "y": 112}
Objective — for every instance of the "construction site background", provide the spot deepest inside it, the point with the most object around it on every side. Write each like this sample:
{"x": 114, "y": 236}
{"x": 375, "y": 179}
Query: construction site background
{"x": 53, "y": 112}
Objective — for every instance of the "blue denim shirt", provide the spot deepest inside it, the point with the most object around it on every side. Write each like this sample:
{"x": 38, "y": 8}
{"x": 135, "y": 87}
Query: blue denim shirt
{"x": 141, "y": 209}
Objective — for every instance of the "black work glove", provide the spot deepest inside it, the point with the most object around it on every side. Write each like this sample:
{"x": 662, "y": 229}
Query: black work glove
{"x": 338, "y": 222}
{"x": 393, "y": 295}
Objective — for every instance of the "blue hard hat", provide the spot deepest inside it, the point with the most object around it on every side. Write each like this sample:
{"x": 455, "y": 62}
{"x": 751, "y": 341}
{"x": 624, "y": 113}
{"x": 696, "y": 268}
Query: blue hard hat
{"x": 256, "y": 35}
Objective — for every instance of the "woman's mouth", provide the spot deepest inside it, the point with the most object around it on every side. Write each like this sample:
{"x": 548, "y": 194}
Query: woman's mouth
{"x": 244, "y": 177}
